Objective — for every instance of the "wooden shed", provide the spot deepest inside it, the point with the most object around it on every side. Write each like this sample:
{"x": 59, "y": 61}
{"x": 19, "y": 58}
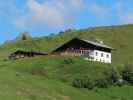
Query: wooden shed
{"x": 25, "y": 54}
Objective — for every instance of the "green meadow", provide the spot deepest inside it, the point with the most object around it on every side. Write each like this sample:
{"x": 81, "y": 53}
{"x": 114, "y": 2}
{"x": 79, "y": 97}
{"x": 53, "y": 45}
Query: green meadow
{"x": 50, "y": 77}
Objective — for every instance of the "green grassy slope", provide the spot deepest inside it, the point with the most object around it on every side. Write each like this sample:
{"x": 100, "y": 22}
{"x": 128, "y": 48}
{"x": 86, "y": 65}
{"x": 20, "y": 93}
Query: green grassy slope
{"x": 61, "y": 68}
{"x": 23, "y": 80}
{"x": 50, "y": 77}
{"x": 119, "y": 37}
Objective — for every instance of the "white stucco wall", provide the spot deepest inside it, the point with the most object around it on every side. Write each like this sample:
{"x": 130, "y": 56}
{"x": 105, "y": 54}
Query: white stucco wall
{"x": 94, "y": 55}
{"x": 102, "y": 56}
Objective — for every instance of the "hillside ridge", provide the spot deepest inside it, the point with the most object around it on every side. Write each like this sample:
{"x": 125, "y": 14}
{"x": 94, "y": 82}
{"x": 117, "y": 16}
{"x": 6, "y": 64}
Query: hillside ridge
{"x": 118, "y": 37}
{"x": 65, "y": 77}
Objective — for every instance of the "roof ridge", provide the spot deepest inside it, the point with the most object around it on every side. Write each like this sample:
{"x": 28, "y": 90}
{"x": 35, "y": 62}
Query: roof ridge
{"x": 96, "y": 43}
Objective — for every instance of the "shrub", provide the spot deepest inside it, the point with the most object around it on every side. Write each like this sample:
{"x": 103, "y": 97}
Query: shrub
{"x": 90, "y": 84}
{"x": 61, "y": 32}
{"x": 84, "y": 82}
{"x": 24, "y": 36}
{"x": 127, "y": 74}
{"x": 68, "y": 61}
{"x": 110, "y": 77}
{"x": 120, "y": 83}
{"x": 78, "y": 83}
{"x": 102, "y": 83}
{"x": 38, "y": 71}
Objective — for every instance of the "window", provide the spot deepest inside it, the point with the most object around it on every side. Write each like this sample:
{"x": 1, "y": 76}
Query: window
{"x": 96, "y": 53}
{"x": 102, "y": 54}
{"x": 107, "y": 56}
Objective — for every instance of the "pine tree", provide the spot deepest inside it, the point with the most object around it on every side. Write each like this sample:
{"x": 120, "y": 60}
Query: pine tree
{"x": 24, "y": 36}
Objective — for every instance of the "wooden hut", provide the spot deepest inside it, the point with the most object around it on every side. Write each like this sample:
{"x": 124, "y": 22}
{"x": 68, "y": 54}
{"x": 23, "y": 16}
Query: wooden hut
{"x": 91, "y": 50}
{"x": 25, "y": 54}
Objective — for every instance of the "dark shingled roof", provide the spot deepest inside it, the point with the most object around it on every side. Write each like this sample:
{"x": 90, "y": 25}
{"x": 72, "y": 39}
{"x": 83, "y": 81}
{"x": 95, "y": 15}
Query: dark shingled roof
{"x": 97, "y": 44}
{"x": 100, "y": 46}
{"x": 24, "y": 52}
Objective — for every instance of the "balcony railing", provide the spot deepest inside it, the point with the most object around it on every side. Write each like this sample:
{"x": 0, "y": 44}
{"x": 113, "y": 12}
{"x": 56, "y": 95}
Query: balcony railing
{"x": 76, "y": 52}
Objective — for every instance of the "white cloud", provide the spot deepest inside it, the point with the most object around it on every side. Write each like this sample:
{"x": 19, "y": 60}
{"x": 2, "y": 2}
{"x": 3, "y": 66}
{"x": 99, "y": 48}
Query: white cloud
{"x": 77, "y": 3}
{"x": 127, "y": 19}
{"x": 98, "y": 10}
{"x": 46, "y": 13}
{"x": 53, "y": 13}
{"x": 118, "y": 11}
{"x": 125, "y": 16}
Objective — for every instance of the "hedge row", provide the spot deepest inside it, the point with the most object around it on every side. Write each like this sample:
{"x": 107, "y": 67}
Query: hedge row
{"x": 110, "y": 78}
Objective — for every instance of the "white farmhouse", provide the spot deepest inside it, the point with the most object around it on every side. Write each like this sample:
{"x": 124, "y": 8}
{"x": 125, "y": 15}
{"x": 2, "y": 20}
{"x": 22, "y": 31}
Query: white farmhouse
{"x": 88, "y": 49}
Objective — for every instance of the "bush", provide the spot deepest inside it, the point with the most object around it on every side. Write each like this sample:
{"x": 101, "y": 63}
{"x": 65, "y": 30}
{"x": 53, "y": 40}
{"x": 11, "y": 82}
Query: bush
{"x": 38, "y": 71}
{"x": 24, "y": 36}
{"x": 89, "y": 84}
{"x": 110, "y": 78}
{"x": 68, "y": 61}
{"x": 102, "y": 83}
{"x": 84, "y": 82}
{"x": 127, "y": 74}
{"x": 78, "y": 83}
{"x": 120, "y": 83}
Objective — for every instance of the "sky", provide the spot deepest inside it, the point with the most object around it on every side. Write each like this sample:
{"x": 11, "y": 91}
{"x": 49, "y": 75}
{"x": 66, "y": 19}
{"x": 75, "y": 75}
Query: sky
{"x": 43, "y": 17}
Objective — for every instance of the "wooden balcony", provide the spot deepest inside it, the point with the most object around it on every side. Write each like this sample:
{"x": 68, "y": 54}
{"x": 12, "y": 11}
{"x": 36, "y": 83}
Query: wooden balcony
{"x": 77, "y": 52}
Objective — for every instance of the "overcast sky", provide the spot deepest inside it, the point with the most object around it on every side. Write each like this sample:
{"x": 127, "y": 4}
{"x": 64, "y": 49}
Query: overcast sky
{"x": 42, "y": 17}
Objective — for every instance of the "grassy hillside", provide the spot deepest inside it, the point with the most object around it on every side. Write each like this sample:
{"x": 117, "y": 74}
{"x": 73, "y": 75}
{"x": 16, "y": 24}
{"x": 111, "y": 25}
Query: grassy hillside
{"x": 119, "y": 37}
{"x": 50, "y": 77}
{"x": 23, "y": 80}
{"x": 61, "y": 68}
